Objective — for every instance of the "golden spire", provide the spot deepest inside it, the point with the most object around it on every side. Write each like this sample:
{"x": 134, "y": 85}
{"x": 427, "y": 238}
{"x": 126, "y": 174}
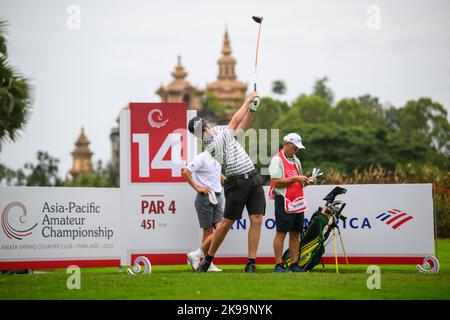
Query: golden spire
{"x": 179, "y": 72}
{"x": 82, "y": 145}
{"x": 81, "y": 156}
{"x": 227, "y": 88}
{"x": 226, "y": 62}
{"x": 226, "y": 50}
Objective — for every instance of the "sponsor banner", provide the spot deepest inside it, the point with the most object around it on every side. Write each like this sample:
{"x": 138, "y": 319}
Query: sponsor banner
{"x": 384, "y": 220}
{"x": 54, "y": 227}
{"x": 385, "y": 224}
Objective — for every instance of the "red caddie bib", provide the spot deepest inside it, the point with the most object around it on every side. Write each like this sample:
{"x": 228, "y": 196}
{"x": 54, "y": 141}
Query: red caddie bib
{"x": 294, "y": 200}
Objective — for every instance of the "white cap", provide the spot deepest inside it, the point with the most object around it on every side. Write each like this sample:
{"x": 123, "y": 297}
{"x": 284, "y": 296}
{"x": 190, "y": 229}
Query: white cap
{"x": 295, "y": 139}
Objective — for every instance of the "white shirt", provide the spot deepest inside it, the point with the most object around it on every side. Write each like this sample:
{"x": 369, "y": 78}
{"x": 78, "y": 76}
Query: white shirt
{"x": 207, "y": 171}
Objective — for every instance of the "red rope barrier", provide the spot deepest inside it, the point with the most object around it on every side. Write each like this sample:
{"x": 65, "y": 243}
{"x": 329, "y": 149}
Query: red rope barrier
{"x": 435, "y": 187}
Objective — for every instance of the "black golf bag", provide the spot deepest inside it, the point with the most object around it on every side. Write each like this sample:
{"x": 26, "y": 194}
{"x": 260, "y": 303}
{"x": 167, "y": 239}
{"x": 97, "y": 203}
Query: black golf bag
{"x": 323, "y": 221}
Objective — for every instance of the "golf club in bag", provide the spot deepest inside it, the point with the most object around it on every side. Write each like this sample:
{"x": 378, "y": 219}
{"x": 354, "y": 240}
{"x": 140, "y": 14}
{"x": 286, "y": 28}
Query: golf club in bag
{"x": 323, "y": 222}
{"x": 258, "y": 20}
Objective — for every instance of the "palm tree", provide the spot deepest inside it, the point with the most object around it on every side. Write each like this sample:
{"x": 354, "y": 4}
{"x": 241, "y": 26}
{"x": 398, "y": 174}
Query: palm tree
{"x": 15, "y": 95}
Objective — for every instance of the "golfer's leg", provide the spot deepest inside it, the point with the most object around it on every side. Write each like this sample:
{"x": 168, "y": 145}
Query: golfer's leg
{"x": 294, "y": 245}
{"x": 219, "y": 235}
{"x": 206, "y": 240}
{"x": 278, "y": 246}
{"x": 254, "y": 234}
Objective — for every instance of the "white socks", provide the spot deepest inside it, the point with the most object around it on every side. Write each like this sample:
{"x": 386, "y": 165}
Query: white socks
{"x": 199, "y": 252}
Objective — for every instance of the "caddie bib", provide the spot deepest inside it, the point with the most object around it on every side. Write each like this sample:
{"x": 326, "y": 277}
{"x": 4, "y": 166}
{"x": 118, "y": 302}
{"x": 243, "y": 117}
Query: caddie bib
{"x": 294, "y": 200}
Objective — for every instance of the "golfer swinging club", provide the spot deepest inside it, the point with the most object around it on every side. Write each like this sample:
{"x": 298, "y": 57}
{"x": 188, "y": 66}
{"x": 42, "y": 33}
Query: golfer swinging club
{"x": 243, "y": 186}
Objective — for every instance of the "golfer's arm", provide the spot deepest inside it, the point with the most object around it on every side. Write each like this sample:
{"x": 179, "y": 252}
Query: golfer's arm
{"x": 283, "y": 182}
{"x": 188, "y": 177}
{"x": 239, "y": 116}
{"x": 247, "y": 121}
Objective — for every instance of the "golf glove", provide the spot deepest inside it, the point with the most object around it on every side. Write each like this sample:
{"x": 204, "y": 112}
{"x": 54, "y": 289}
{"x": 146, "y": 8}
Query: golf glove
{"x": 212, "y": 197}
{"x": 254, "y": 104}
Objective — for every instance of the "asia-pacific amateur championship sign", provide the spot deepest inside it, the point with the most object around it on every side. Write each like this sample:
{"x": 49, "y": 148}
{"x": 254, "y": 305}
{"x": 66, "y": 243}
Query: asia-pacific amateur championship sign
{"x": 50, "y": 227}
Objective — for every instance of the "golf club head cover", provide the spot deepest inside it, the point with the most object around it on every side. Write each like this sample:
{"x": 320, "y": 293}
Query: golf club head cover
{"x": 254, "y": 104}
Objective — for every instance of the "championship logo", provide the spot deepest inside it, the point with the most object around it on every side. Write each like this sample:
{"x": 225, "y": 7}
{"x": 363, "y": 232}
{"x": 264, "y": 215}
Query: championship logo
{"x": 8, "y": 229}
{"x": 152, "y": 122}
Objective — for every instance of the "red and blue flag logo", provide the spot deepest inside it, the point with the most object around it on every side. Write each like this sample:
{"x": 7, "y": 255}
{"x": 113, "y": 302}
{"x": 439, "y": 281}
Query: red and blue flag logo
{"x": 394, "y": 218}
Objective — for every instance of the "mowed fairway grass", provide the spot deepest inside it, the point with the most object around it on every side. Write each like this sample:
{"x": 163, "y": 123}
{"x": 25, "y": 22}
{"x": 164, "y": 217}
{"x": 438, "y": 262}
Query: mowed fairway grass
{"x": 180, "y": 282}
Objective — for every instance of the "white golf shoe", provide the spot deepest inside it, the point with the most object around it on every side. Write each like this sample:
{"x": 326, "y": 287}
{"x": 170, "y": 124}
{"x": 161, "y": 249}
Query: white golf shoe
{"x": 193, "y": 259}
{"x": 214, "y": 268}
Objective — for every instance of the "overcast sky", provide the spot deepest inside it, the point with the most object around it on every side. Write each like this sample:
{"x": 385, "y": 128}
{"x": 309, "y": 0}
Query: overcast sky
{"x": 124, "y": 50}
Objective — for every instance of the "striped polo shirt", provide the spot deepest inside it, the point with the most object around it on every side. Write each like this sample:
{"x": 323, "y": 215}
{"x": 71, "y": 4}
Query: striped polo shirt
{"x": 227, "y": 151}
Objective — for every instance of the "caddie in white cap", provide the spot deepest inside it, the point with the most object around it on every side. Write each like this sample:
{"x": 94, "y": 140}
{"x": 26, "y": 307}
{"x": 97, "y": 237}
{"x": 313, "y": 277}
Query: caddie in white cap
{"x": 286, "y": 188}
{"x": 294, "y": 139}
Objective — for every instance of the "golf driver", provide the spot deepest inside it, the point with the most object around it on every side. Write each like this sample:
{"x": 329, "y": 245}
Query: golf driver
{"x": 258, "y": 20}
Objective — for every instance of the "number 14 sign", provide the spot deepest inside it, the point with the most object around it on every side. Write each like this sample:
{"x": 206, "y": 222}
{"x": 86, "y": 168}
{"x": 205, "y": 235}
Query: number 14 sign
{"x": 158, "y": 141}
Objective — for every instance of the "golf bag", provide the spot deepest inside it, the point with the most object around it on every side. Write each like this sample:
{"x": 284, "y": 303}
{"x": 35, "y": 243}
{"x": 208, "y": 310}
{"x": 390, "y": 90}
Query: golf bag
{"x": 323, "y": 221}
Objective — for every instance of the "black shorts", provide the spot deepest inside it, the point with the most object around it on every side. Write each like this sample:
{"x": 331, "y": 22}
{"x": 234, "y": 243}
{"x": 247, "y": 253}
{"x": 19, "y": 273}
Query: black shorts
{"x": 287, "y": 222}
{"x": 244, "y": 192}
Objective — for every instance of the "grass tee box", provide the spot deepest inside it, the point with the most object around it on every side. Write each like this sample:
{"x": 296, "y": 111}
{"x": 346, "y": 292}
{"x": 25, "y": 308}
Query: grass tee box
{"x": 180, "y": 282}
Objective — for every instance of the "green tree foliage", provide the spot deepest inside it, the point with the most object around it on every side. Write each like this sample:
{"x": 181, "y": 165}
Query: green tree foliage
{"x": 422, "y": 120}
{"x": 371, "y": 104}
{"x": 272, "y": 107}
{"x": 99, "y": 178}
{"x": 279, "y": 87}
{"x": 321, "y": 89}
{"x": 359, "y": 132}
{"x": 7, "y": 175}
{"x": 344, "y": 148}
{"x": 43, "y": 174}
{"x": 15, "y": 95}
{"x": 352, "y": 112}
{"x": 306, "y": 109}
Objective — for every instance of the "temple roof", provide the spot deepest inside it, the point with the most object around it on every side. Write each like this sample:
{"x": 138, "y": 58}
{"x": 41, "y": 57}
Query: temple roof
{"x": 227, "y": 88}
{"x": 179, "y": 83}
{"x": 82, "y": 145}
{"x": 179, "y": 72}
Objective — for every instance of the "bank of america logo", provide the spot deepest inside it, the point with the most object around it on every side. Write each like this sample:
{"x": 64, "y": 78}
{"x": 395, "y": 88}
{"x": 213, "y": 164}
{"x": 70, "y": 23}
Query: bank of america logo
{"x": 394, "y": 218}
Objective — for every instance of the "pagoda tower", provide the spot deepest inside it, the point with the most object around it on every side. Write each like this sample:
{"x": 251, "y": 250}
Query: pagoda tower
{"x": 180, "y": 90}
{"x": 82, "y": 156}
{"x": 228, "y": 90}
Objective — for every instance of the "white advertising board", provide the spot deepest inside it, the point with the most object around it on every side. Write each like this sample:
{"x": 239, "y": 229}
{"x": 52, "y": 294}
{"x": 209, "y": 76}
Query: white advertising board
{"x": 55, "y": 227}
{"x": 385, "y": 224}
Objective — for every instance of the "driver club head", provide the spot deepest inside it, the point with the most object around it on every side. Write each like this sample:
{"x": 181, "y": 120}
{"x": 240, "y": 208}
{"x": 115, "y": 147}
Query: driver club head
{"x": 256, "y": 101}
{"x": 257, "y": 19}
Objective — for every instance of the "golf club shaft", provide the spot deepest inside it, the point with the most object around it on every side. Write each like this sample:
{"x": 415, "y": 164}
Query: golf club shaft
{"x": 256, "y": 57}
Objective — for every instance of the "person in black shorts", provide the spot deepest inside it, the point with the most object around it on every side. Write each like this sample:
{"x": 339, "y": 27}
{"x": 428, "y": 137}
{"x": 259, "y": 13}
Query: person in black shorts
{"x": 286, "y": 188}
{"x": 243, "y": 185}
